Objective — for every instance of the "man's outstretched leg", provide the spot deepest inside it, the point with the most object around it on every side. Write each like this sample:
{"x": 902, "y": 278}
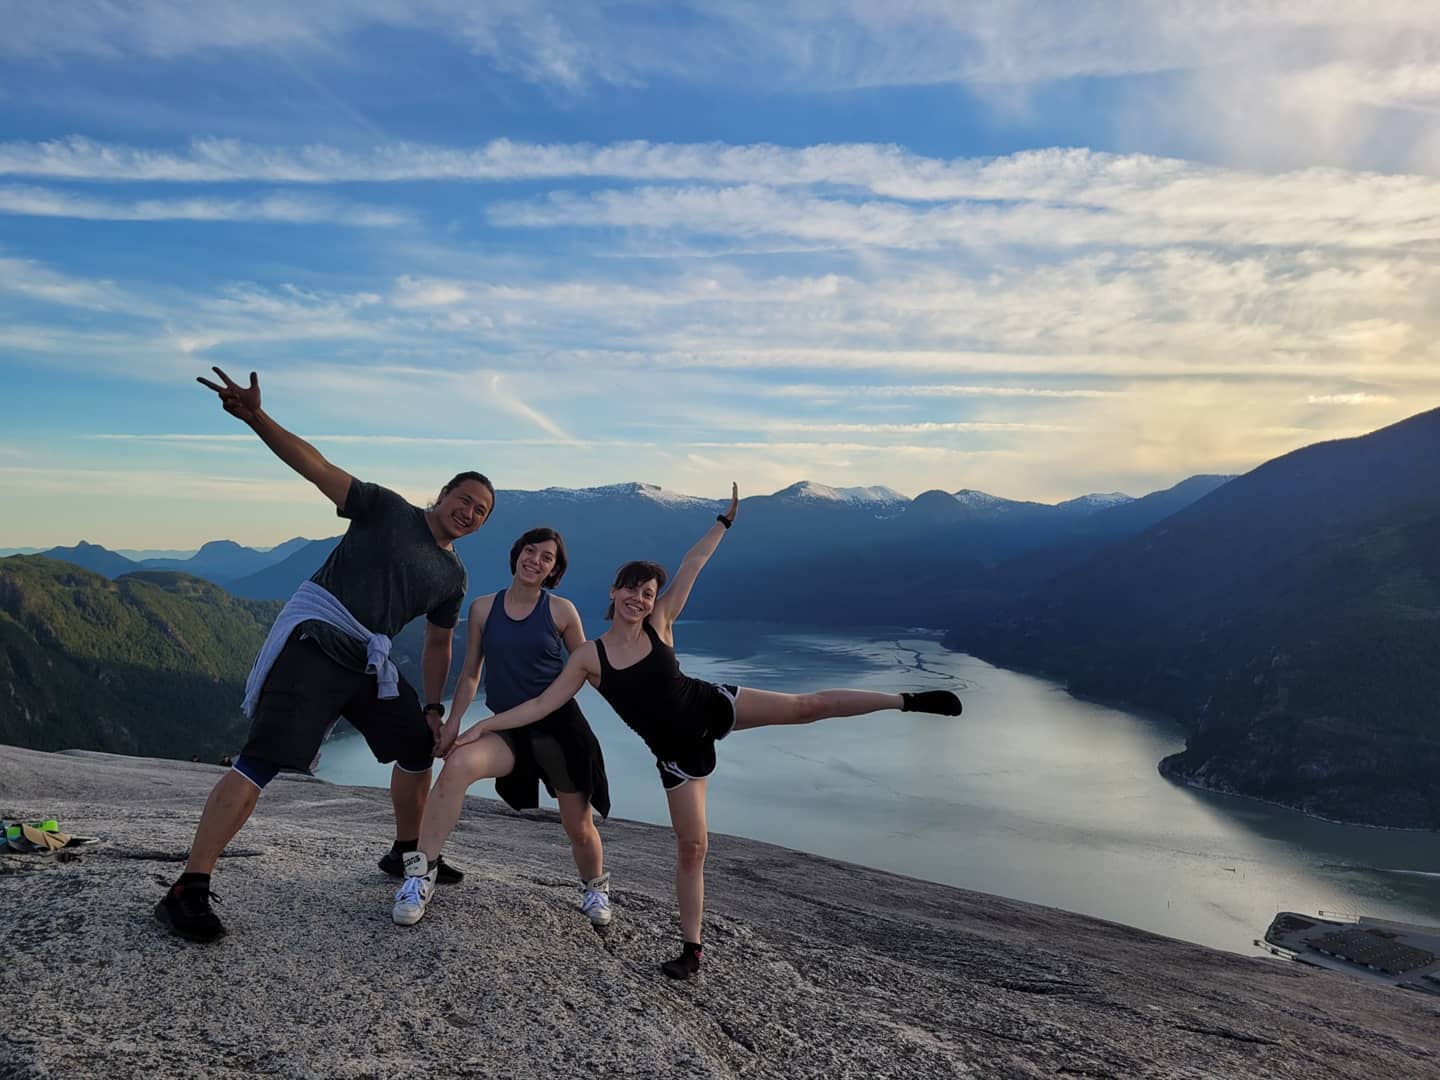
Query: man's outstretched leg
{"x": 185, "y": 908}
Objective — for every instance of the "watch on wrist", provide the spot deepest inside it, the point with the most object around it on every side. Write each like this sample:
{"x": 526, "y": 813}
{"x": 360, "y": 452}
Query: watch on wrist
{"x": 435, "y": 707}
{"x": 723, "y": 520}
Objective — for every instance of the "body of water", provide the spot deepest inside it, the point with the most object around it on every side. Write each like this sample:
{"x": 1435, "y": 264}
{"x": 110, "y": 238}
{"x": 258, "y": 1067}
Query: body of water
{"x": 1030, "y": 794}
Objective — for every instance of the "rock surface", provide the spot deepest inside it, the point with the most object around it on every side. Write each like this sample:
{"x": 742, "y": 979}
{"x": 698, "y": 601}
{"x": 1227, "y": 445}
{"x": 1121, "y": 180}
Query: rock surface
{"x": 813, "y": 968}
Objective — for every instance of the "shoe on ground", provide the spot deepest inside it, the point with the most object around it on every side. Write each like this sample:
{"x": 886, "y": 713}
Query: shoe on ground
{"x": 185, "y": 909}
{"x": 393, "y": 863}
{"x": 939, "y": 702}
{"x": 596, "y": 900}
{"x": 413, "y": 896}
{"x": 684, "y": 965}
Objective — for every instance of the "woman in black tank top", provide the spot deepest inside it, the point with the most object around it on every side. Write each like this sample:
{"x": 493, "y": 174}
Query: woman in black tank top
{"x": 633, "y": 666}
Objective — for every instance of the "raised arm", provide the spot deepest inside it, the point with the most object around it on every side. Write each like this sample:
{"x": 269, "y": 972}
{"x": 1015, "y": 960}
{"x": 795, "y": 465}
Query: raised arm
{"x": 672, "y": 600}
{"x": 243, "y": 403}
{"x": 583, "y": 663}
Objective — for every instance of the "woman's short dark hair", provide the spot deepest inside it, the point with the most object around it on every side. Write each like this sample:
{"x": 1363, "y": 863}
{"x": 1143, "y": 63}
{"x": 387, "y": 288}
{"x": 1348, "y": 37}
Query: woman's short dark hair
{"x": 635, "y": 573}
{"x": 479, "y": 478}
{"x": 539, "y": 536}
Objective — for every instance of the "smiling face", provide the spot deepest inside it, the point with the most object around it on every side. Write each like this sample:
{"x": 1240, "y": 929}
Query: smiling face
{"x": 538, "y": 559}
{"x": 462, "y": 509}
{"x": 637, "y": 584}
{"x": 535, "y": 564}
{"x": 634, "y": 603}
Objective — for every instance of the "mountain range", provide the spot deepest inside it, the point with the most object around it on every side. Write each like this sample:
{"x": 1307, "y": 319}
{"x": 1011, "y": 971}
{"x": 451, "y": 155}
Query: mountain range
{"x": 219, "y": 561}
{"x": 1289, "y": 618}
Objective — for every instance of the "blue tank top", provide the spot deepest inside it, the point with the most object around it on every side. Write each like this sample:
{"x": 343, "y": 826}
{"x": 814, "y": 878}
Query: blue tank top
{"x": 522, "y": 656}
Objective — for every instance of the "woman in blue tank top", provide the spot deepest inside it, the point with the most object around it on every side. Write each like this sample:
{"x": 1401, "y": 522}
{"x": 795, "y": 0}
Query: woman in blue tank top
{"x": 516, "y": 637}
{"x": 633, "y": 666}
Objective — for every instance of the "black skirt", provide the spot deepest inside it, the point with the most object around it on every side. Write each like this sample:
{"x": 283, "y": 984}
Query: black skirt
{"x": 584, "y": 763}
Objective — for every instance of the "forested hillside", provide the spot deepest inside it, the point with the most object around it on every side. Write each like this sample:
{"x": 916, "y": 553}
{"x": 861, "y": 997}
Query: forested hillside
{"x": 150, "y": 663}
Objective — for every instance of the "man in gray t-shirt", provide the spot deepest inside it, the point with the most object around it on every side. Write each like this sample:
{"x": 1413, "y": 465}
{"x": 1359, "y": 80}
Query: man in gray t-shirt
{"x": 394, "y": 563}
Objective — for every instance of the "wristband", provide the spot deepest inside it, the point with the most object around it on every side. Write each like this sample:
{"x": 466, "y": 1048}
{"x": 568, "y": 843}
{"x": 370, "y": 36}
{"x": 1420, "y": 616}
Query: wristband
{"x": 723, "y": 520}
{"x": 435, "y": 706}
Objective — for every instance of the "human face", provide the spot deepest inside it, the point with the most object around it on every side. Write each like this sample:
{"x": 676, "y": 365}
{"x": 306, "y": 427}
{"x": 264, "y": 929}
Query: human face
{"x": 535, "y": 563}
{"x": 634, "y": 602}
{"x": 463, "y": 509}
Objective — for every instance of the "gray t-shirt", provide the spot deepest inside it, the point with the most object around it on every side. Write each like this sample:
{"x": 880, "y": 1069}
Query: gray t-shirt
{"x": 386, "y": 570}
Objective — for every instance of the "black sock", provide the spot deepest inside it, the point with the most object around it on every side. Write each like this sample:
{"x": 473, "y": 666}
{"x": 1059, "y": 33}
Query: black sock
{"x": 188, "y": 879}
{"x": 400, "y": 847}
{"x": 943, "y": 702}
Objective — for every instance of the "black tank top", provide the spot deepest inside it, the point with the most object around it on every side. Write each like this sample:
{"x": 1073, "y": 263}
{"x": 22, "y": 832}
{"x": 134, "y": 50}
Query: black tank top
{"x": 659, "y": 702}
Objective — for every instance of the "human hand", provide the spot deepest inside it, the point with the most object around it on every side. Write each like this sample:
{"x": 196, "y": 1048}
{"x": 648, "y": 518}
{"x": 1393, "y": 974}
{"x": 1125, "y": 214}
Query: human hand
{"x": 444, "y": 733}
{"x": 471, "y": 735}
{"x": 734, "y": 501}
{"x": 241, "y": 402}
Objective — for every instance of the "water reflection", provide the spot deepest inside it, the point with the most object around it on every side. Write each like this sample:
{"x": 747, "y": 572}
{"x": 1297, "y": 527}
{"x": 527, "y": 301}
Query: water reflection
{"x": 1030, "y": 794}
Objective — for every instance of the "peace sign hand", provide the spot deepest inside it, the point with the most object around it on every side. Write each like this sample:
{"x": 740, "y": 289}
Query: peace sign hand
{"x": 241, "y": 402}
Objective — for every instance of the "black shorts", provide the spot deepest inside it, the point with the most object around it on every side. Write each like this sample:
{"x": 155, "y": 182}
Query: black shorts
{"x": 306, "y": 692}
{"x": 695, "y": 758}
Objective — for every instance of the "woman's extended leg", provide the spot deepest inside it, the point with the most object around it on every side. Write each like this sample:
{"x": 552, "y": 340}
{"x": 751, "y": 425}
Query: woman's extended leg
{"x": 763, "y": 708}
{"x": 486, "y": 758}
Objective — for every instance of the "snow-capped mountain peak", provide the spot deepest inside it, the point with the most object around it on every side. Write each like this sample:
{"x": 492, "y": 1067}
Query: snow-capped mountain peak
{"x": 978, "y": 500}
{"x": 653, "y": 492}
{"x": 878, "y": 495}
{"x": 1098, "y": 501}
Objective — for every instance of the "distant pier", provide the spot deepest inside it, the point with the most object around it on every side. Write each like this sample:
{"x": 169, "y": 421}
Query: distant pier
{"x": 1399, "y": 954}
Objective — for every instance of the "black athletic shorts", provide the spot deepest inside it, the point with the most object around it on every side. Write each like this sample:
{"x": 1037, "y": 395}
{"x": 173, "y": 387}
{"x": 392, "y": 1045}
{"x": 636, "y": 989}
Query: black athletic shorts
{"x": 695, "y": 760}
{"x": 306, "y": 692}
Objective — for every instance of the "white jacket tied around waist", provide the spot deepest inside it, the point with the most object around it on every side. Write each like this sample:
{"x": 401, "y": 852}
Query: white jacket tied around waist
{"x": 313, "y": 602}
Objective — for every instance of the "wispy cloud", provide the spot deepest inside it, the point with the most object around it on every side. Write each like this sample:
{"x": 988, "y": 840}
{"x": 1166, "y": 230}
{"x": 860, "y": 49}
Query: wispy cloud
{"x": 29, "y": 278}
{"x": 1358, "y": 398}
{"x": 279, "y": 209}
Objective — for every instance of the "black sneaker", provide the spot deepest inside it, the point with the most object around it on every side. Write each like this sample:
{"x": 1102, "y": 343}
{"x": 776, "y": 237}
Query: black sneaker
{"x": 686, "y": 964}
{"x": 942, "y": 702}
{"x": 393, "y": 863}
{"x": 185, "y": 909}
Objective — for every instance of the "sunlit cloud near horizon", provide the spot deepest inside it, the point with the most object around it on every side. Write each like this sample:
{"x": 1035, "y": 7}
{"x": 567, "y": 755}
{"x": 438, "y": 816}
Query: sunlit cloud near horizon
{"x": 1038, "y": 251}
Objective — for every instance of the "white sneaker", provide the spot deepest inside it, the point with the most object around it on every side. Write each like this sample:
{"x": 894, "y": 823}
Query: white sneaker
{"x": 413, "y": 896}
{"x": 596, "y": 903}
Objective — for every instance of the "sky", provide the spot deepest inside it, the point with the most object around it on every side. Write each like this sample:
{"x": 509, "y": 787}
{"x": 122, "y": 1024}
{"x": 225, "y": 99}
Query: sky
{"x": 1037, "y": 249}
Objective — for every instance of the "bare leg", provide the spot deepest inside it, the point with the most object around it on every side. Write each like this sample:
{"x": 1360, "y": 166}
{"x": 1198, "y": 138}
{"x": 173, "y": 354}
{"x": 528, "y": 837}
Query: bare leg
{"x": 485, "y": 758}
{"x": 408, "y": 792}
{"x": 763, "y": 708}
{"x": 687, "y": 818}
{"x": 579, "y": 822}
{"x": 232, "y": 801}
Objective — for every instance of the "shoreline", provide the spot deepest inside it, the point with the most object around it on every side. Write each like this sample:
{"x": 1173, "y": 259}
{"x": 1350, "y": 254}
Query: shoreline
{"x": 1155, "y": 716}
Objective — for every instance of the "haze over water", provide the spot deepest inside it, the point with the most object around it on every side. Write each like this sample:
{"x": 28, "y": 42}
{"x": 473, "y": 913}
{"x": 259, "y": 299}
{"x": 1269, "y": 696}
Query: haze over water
{"x": 1031, "y": 794}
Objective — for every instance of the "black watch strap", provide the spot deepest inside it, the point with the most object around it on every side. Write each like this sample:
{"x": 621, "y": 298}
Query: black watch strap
{"x": 723, "y": 520}
{"x": 435, "y": 706}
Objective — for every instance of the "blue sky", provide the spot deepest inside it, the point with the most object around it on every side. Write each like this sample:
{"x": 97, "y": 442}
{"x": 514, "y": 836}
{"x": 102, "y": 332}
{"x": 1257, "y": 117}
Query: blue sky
{"x": 1037, "y": 249}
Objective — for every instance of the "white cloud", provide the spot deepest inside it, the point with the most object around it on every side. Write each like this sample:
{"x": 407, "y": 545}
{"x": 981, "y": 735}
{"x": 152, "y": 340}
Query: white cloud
{"x": 1357, "y": 398}
{"x": 28, "y": 278}
{"x": 281, "y": 209}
